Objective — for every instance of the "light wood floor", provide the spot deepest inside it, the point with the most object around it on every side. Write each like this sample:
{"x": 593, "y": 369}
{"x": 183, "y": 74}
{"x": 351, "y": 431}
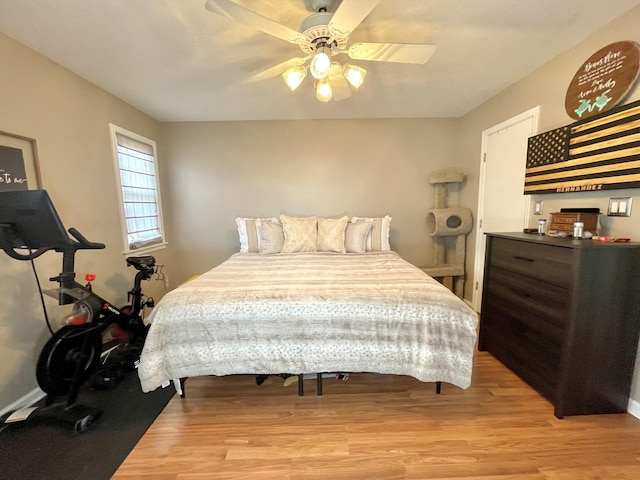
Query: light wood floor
{"x": 380, "y": 427}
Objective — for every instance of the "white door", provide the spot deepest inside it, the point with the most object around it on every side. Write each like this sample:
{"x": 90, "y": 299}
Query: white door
{"x": 502, "y": 206}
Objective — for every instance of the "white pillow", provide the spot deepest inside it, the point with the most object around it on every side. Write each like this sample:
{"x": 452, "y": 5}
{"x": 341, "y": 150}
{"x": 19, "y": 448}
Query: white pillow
{"x": 270, "y": 235}
{"x": 378, "y": 239}
{"x": 356, "y": 235}
{"x": 248, "y": 234}
{"x": 331, "y": 234}
{"x": 300, "y": 234}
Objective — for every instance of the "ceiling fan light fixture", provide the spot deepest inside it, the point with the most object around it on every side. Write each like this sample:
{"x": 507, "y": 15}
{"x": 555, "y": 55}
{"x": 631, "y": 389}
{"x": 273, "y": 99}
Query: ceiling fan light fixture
{"x": 294, "y": 76}
{"x": 321, "y": 62}
{"x": 324, "y": 93}
{"x": 354, "y": 75}
{"x": 321, "y": 35}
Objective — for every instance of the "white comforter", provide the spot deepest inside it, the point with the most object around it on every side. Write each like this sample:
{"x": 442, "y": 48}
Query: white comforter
{"x": 307, "y": 313}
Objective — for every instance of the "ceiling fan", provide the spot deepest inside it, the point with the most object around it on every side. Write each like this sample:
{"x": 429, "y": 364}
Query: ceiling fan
{"x": 322, "y": 36}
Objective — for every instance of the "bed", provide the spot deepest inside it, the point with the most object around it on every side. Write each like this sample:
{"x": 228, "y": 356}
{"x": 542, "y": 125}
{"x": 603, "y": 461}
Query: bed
{"x": 308, "y": 312}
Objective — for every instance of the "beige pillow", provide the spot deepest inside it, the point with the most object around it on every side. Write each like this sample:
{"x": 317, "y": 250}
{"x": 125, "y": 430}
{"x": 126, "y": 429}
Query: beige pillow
{"x": 248, "y": 233}
{"x": 331, "y": 234}
{"x": 356, "y": 235}
{"x": 271, "y": 236}
{"x": 300, "y": 234}
{"x": 378, "y": 239}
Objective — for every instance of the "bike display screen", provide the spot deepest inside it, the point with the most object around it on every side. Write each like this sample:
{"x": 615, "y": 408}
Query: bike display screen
{"x": 28, "y": 220}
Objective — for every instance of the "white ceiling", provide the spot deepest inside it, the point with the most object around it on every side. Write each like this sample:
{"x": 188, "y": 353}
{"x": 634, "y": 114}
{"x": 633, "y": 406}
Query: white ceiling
{"x": 177, "y": 61}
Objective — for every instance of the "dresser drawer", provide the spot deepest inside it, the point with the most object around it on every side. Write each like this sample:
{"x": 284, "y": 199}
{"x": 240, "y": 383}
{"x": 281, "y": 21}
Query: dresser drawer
{"x": 542, "y": 374}
{"x": 541, "y": 262}
{"x": 529, "y": 304}
{"x": 545, "y": 345}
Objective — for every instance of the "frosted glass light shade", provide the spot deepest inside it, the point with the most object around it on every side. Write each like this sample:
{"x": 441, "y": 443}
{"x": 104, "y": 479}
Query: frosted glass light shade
{"x": 324, "y": 93}
{"x": 354, "y": 75}
{"x": 294, "y": 76}
{"x": 321, "y": 63}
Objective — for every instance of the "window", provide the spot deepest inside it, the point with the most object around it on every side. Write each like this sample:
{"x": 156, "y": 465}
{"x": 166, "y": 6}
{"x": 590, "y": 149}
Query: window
{"x": 139, "y": 193}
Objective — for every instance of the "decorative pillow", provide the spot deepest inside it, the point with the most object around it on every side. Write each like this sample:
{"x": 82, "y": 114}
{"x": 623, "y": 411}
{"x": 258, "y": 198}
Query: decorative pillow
{"x": 270, "y": 235}
{"x": 356, "y": 235}
{"x": 248, "y": 234}
{"x": 379, "y": 236}
{"x": 300, "y": 233}
{"x": 331, "y": 234}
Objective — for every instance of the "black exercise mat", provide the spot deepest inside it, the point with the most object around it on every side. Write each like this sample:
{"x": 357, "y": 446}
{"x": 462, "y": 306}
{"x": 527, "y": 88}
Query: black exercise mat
{"x": 44, "y": 450}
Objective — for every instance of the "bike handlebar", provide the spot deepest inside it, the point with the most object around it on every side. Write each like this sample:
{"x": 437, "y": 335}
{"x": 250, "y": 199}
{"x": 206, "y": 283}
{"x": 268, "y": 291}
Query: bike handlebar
{"x": 83, "y": 243}
{"x": 80, "y": 243}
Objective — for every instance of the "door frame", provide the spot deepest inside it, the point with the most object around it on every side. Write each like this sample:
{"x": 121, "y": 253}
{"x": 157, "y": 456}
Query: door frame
{"x": 478, "y": 269}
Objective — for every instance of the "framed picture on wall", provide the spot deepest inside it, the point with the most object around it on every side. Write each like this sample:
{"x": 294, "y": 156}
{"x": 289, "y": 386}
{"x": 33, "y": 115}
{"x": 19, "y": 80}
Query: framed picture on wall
{"x": 19, "y": 168}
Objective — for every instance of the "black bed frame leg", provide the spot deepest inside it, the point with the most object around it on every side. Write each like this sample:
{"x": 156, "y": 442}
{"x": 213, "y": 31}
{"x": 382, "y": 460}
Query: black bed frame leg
{"x": 438, "y": 387}
{"x": 319, "y": 383}
{"x": 182, "y": 382}
{"x": 301, "y": 385}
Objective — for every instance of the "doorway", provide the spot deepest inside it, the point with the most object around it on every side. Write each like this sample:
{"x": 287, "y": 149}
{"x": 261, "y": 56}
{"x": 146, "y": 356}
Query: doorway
{"x": 502, "y": 205}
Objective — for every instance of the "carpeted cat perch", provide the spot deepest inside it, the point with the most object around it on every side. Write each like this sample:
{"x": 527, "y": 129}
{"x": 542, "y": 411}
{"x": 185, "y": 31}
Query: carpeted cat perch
{"x": 449, "y": 227}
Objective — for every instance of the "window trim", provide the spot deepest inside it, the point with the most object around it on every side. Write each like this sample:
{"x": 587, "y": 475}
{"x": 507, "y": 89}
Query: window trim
{"x": 114, "y": 131}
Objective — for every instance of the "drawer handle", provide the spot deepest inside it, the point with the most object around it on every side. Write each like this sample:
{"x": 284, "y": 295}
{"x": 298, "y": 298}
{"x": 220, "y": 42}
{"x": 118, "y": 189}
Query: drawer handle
{"x": 526, "y": 259}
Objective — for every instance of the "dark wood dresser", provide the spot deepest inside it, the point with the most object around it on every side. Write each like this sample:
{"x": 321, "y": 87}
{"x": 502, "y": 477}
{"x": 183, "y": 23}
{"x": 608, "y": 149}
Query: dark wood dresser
{"x": 564, "y": 315}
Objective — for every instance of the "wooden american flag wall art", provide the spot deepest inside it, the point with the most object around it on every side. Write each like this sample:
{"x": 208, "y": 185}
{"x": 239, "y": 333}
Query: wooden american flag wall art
{"x": 599, "y": 153}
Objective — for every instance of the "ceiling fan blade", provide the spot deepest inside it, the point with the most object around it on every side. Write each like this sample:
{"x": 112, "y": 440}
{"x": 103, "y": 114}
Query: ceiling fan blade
{"x": 339, "y": 84}
{"x": 276, "y": 69}
{"x": 391, "y": 52}
{"x": 349, "y": 15}
{"x": 243, "y": 15}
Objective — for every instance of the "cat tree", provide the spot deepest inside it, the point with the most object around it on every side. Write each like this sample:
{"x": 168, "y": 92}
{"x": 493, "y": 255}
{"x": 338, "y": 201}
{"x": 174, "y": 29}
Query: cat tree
{"x": 449, "y": 227}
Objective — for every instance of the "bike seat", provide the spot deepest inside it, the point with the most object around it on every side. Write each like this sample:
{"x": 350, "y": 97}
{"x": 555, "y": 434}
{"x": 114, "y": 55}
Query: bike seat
{"x": 141, "y": 262}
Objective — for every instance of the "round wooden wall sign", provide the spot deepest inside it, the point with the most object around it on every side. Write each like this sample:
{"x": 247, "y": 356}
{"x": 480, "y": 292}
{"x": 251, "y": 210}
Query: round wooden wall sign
{"x": 603, "y": 80}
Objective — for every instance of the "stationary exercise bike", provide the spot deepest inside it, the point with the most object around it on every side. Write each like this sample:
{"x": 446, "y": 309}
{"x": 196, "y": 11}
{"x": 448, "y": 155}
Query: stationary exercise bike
{"x": 28, "y": 221}
{"x": 73, "y": 353}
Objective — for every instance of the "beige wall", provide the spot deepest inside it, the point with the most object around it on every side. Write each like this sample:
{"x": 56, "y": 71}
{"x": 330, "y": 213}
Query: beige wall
{"x": 68, "y": 117}
{"x": 221, "y": 170}
{"x": 547, "y": 87}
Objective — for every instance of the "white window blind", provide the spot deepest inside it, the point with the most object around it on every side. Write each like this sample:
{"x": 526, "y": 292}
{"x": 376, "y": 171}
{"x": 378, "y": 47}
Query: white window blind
{"x": 136, "y": 165}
